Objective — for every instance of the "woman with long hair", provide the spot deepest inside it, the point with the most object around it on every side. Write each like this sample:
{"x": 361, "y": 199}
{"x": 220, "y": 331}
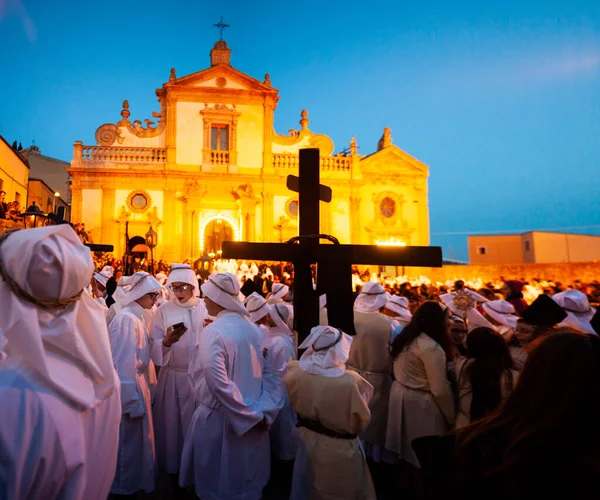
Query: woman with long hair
{"x": 485, "y": 377}
{"x": 545, "y": 439}
{"x": 421, "y": 401}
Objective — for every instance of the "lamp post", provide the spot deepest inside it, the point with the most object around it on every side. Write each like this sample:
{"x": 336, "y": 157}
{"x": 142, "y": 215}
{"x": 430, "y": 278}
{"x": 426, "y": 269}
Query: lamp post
{"x": 151, "y": 242}
{"x": 33, "y": 217}
{"x": 56, "y": 196}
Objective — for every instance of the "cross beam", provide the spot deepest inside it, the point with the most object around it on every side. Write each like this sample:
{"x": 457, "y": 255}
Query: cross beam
{"x": 334, "y": 261}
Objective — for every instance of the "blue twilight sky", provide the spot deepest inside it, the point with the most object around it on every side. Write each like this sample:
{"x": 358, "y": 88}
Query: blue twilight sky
{"x": 500, "y": 99}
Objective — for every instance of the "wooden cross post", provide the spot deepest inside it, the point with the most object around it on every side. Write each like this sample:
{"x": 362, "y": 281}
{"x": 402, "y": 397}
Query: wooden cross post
{"x": 334, "y": 261}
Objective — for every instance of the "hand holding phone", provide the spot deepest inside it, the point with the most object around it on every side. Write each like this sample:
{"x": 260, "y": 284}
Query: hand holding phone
{"x": 174, "y": 333}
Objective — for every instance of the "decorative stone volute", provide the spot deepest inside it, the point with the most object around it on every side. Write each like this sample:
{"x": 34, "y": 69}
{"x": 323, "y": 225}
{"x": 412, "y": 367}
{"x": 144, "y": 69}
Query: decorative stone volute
{"x": 220, "y": 54}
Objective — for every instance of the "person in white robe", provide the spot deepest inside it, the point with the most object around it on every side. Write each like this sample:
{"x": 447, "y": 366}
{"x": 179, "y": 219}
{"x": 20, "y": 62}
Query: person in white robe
{"x": 278, "y": 347}
{"x": 333, "y": 408}
{"x": 370, "y": 357}
{"x": 119, "y": 297}
{"x": 59, "y": 392}
{"x": 174, "y": 404}
{"x": 99, "y": 285}
{"x": 280, "y": 293}
{"x": 226, "y": 452}
{"x": 130, "y": 343}
{"x": 397, "y": 307}
{"x": 578, "y": 309}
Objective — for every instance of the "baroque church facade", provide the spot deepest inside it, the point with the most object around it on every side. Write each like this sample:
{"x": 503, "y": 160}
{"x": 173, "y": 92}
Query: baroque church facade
{"x": 209, "y": 167}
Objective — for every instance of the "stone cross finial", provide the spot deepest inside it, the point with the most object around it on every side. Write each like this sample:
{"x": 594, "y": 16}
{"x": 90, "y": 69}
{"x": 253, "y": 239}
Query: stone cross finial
{"x": 221, "y": 25}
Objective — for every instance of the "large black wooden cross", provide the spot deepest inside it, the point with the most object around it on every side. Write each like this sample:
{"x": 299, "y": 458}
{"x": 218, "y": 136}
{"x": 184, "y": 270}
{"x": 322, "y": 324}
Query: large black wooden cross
{"x": 335, "y": 261}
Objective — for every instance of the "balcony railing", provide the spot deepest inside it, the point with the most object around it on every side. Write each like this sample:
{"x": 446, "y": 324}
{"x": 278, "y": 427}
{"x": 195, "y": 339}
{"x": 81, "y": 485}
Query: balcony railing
{"x": 219, "y": 158}
{"x": 328, "y": 163}
{"x": 123, "y": 155}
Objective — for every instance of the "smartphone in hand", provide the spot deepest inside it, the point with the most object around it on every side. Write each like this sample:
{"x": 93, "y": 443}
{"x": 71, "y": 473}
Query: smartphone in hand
{"x": 178, "y": 326}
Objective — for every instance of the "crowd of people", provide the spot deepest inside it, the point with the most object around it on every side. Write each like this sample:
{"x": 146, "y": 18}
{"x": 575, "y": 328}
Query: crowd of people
{"x": 9, "y": 210}
{"x": 110, "y": 382}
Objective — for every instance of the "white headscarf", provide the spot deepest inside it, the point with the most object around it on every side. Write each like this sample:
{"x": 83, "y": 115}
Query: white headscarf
{"x": 183, "y": 273}
{"x": 327, "y": 350}
{"x": 257, "y": 307}
{"x": 501, "y": 311}
{"x": 66, "y": 347}
{"x": 224, "y": 289}
{"x": 578, "y": 309}
{"x": 162, "y": 277}
{"x": 280, "y": 314}
{"x": 371, "y": 298}
{"x": 103, "y": 276}
{"x": 278, "y": 292}
{"x": 140, "y": 284}
{"x": 399, "y": 306}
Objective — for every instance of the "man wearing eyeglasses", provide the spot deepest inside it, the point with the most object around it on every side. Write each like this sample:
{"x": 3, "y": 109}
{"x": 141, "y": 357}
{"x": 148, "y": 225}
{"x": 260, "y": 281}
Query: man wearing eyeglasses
{"x": 175, "y": 330}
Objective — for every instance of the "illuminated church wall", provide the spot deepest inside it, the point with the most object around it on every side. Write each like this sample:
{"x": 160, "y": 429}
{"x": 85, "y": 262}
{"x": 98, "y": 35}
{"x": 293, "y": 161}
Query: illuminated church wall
{"x": 163, "y": 171}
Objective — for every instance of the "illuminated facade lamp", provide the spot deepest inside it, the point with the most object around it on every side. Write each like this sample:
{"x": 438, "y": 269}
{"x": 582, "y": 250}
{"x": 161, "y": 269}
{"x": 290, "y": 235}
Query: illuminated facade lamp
{"x": 33, "y": 217}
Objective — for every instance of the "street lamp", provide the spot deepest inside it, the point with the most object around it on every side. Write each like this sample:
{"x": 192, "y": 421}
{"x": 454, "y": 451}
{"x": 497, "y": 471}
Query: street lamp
{"x": 56, "y": 195}
{"x": 33, "y": 217}
{"x": 151, "y": 242}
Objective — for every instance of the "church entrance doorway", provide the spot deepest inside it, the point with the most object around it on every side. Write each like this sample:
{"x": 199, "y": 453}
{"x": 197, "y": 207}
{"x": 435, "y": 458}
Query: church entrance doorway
{"x": 215, "y": 233}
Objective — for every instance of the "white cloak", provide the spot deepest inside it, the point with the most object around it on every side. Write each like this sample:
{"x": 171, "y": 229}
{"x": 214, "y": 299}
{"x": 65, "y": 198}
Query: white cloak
{"x": 131, "y": 355}
{"x": 174, "y": 404}
{"x": 42, "y": 456}
{"x": 224, "y": 455}
{"x": 280, "y": 351}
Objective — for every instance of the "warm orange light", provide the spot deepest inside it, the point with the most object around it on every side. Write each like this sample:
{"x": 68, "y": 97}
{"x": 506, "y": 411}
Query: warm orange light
{"x": 391, "y": 242}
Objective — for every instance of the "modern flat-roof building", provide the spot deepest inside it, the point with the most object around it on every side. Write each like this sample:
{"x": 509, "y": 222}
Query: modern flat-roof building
{"x": 533, "y": 247}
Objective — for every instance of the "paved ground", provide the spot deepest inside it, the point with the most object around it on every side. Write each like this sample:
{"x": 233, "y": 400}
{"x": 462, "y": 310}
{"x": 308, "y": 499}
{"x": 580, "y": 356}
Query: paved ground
{"x": 390, "y": 482}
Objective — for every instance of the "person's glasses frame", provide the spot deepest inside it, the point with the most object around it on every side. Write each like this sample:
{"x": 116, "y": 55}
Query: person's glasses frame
{"x": 180, "y": 288}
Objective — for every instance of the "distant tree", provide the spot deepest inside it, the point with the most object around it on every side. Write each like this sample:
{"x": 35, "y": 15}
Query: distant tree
{"x": 20, "y": 147}
{"x": 14, "y": 145}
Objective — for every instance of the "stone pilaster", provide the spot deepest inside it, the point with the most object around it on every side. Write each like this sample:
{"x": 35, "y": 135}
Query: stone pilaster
{"x": 355, "y": 220}
{"x": 267, "y": 214}
{"x": 108, "y": 219}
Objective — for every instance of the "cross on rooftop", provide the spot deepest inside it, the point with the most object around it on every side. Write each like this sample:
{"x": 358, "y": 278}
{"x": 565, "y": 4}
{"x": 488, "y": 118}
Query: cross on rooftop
{"x": 221, "y": 25}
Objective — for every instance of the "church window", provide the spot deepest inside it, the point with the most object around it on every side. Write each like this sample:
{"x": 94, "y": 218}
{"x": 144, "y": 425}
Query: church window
{"x": 387, "y": 207}
{"x": 138, "y": 201}
{"x": 219, "y": 139}
{"x": 481, "y": 250}
{"x": 292, "y": 207}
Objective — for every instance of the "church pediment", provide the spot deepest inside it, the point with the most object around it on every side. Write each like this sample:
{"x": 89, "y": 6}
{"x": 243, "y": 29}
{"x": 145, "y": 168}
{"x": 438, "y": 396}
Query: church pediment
{"x": 222, "y": 77}
{"x": 392, "y": 161}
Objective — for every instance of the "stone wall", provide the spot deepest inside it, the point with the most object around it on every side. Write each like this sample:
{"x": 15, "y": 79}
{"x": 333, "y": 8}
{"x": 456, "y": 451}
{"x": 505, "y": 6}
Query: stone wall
{"x": 6, "y": 225}
{"x": 563, "y": 272}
